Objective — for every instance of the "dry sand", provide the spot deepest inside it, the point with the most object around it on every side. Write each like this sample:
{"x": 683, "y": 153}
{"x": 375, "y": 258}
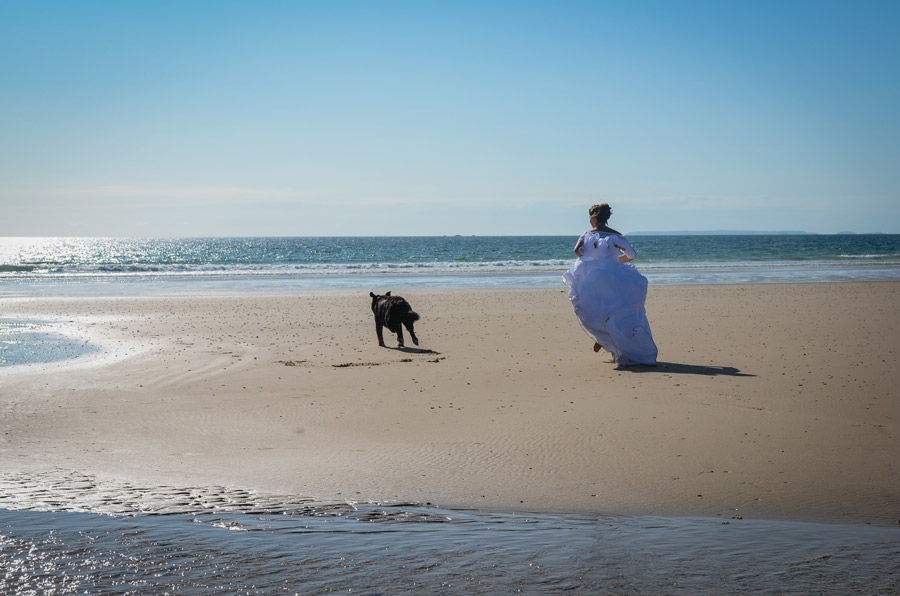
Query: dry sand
{"x": 771, "y": 401}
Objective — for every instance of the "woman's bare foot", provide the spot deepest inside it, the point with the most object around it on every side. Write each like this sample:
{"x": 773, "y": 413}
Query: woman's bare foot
{"x": 596, "y": 347}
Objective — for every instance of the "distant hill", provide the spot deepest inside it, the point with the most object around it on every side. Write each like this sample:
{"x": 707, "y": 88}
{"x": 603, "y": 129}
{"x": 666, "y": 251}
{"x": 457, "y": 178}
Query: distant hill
{"x": 716, "y": 233}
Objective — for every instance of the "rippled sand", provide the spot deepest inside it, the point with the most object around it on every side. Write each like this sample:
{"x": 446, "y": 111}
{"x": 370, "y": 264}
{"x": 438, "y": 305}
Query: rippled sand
{"x": 771, "y": 401}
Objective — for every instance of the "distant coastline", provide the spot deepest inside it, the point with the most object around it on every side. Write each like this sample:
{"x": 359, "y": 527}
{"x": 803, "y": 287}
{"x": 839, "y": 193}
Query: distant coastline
{"x": 724, "y": 233}
{"x": 746, "y": 233}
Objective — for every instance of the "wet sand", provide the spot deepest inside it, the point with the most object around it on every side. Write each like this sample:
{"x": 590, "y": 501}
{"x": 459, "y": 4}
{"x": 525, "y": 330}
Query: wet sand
{"x": 770, "y": 402}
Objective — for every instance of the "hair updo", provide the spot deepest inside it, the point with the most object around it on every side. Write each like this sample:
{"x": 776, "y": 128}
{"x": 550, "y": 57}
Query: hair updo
{"x": 601, "y": 212}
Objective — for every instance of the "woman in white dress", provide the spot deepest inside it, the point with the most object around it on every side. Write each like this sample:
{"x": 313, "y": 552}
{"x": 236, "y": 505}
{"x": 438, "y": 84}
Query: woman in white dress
{"x": 608, "y": 294}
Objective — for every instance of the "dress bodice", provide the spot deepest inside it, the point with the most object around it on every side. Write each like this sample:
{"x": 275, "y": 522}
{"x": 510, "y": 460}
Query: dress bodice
{"x": 600, "y": 245}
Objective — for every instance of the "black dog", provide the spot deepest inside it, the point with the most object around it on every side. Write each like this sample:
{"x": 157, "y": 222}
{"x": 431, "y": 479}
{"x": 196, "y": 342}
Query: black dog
{"x": 394, "y": 313}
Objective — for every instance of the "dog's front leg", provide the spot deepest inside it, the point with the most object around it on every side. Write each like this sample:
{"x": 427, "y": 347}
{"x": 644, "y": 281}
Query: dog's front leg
{"x": 400, "y": 335}
{"x": 378, "y": 329}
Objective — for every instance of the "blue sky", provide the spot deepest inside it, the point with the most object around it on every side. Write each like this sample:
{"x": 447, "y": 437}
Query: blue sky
{"x": 406, "y": 118}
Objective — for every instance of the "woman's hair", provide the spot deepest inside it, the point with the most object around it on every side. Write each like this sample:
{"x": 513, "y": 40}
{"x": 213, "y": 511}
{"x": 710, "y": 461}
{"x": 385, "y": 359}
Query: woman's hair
{"x": 601, "y": 212}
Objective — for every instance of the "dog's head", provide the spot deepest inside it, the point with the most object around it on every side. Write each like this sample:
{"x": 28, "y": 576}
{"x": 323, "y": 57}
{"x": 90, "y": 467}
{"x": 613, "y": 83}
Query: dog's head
{"x": 376, "y": 298}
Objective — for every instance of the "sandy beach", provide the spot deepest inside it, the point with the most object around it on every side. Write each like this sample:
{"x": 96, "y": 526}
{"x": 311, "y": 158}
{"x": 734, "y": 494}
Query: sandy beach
{"x": 770, "y": 401}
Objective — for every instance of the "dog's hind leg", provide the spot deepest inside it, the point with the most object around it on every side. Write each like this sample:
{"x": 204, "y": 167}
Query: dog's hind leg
{"x": 400, "y": 335}
{"x": 412, "y": 333}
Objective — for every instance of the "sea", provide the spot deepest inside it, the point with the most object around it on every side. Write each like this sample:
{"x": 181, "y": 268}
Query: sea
{"x": 117, "y": 266}
{"x": 69, "y": 534}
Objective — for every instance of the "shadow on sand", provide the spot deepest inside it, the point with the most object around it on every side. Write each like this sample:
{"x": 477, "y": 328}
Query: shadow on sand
{"x": 408, "y": 350}
{"x": 687, "y": 369}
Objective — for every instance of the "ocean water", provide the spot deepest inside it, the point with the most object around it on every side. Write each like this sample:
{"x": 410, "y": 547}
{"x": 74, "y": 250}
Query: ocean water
{"x": 215, "y": 541}
{"x": 27, "y": 342}
{"x": 116, "y": 266}
{"x": 71, "y": 535}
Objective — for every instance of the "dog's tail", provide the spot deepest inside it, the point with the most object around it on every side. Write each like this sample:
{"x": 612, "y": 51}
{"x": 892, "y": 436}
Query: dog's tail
{"x": 412, "y": 316}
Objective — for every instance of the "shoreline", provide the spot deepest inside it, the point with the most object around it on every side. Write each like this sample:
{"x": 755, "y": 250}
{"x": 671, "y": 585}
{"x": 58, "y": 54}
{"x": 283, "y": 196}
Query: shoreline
{"x": 232, "y": 285}
{"x": 769, "y": 403}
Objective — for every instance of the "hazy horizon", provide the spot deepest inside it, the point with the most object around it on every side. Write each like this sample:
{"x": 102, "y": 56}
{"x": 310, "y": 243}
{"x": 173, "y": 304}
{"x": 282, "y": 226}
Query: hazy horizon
{"x": 631, "y": 233}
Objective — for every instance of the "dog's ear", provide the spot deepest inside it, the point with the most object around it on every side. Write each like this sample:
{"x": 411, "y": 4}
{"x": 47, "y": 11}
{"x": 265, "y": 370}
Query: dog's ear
{"x": 388, "y": 293}
{"x": 372, "y": 294}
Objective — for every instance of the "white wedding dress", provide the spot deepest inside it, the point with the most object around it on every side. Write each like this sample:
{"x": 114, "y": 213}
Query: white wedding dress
{"x": 609, "y": 296}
